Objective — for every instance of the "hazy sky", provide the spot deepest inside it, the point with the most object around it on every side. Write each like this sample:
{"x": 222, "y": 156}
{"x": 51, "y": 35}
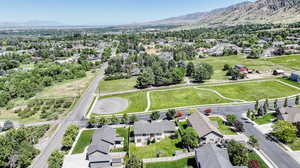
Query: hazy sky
{"x": 102, "y": 12}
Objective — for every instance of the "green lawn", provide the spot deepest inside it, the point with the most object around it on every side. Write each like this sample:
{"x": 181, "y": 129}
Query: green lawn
{"x": 182, "y": 163}
{"x": 83, "y": 141}
{"x": 166, "y": 147}
{"x": 254, "y": 90}
{"x": 291, "y": 61}
{"x": 183, "y": 97}
{"x": 117, "y": 85}
{"x": 297, "y": 84}
{"x": 137, "y": 101}
{"x": 254, "y": 156}
{"x": 268, "y": 118}
{"x": 123, "y": 132}
{"x": 262, "y": 65}
{"x": 224, "y": 129}
{"x": 295, "y": 145}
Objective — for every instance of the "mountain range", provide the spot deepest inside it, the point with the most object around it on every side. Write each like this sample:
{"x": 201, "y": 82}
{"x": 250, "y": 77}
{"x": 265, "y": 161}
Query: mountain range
{"x": 260, "y": 11}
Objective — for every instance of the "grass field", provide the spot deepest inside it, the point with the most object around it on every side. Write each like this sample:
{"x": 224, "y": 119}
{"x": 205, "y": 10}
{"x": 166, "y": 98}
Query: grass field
{"x": 69, "y": 88}
{"x": 182, "y": 163}
{"x": 83, "y": 141}
{"x": 166, "y": 147}
{"x": 291, "y": 61}
{"x": 183, "y": 97}
{"x": 122, "y": 132}
{"x": 224, "y": 129}
{"x": 268, "y": 118}
{"x": 218, "y": 63}
{"x": 254, "y": 90}
{"x": 117, "y": 85}
{"x": 137, "y": 101}
{"x": 297, "y": 84}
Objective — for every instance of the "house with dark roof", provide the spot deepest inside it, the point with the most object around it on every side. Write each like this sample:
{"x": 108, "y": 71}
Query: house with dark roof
{"x": 145, "y": 131}
{"x": 206, "y": 129}
{"x": 295, "y": 76}
{"x": 211, "y": 156}
{"x": 98, "y": 152}
{"x": 289, "y": 114}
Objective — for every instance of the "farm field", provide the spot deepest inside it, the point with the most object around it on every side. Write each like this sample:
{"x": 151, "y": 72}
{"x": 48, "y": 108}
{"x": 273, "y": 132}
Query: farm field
{"x": 254, "y": 90}
{"x": 137, "y": 101}
{"x": 183, "y": 97}
{"x": 263, "y": 65}
{"x": 291, "y": 61}
{"x": 117, "y": 85}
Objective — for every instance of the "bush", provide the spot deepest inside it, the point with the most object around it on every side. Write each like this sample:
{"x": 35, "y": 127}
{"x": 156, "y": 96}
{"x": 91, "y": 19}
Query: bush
{"x": 70, "y": 136}
{"x": 56, "y": 159}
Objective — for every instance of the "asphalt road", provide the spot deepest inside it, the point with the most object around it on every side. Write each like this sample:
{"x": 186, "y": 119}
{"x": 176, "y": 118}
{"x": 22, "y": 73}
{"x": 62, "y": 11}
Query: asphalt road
{"x": 76, "y": 115}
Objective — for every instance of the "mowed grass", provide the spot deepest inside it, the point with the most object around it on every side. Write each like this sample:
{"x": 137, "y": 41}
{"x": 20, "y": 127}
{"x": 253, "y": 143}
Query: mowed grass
{"x": 268, "y": 118}
{"x": 291, "y": 61}
{"x": 263, "y": 65}
{"x": 166, "y": 147}
{"x": 224, "y": 129}
{"x": 116, "y": 85}
{"x": 137, "y": 101}
{"x": 182, "y": 163}
{"x": 288, "y": 81}
{"x": 83, "y": 141}
{"x": 251, "y": 91}
{"x": 183, "y": 97}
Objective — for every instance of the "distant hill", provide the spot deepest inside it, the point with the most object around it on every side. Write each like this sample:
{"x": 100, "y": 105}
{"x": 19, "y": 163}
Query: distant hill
{"x": 32, "y": 23}
{"x": 261, "y": 11}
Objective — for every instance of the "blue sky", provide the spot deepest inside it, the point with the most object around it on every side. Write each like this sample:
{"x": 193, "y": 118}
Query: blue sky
{"x": 102, "y": 12}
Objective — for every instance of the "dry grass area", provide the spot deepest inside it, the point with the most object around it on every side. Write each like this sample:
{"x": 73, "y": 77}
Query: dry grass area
{"x": 71, "y": 88}
{"x": 151, "y": 50}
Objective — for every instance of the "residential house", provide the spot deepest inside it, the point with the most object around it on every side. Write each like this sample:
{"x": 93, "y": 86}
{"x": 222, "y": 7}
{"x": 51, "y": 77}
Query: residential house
{"x": 211, "y": 156}
{"x": 247, "y": 51}
{"x": 289, "y": 114}
{"x": 277, "y": 43}
{"x": 295, "y": 76}
{"x": 278, "y": 72}
{"x": 206, "y": 129}
{"x": 98, "y": 152}
{"x": 166, "y": 55}
{"x": 145, "y": 131}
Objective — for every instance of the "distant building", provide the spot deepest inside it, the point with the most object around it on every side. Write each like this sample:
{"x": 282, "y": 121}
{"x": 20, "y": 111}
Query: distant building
{"x": 211, "y": 156}
{"x": 295, "y": 76}
{"x": 206, "y": 129}
{"x": 145, "y": 131}
{"x": 247, "y": 50}
{"x": 289, "y": 114}
{"x": 278, "y": 72}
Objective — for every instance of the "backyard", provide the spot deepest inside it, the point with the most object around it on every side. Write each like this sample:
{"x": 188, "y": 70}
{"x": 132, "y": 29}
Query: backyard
{"x": 254, "y": 90}
{"x": 268, "y": 118}
{"x": 182, "y": 163}
{"x": 224, "y": 129}
{"x": 183, "y": 97}
{"x": 165, "y": 147}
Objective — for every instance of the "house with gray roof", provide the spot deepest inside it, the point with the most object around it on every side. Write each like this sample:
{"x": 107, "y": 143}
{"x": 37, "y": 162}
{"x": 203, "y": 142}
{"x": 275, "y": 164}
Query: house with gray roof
{"x": 206, "y": 129}
{"x": 211, "y": 156}
{"x": 289, "y": 114}
{"x": 98, "y": 152}
{"x": 295, "y": 76}
{"x": 145, "y": 131}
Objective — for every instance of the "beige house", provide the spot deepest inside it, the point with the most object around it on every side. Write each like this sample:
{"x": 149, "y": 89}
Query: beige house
{"x": 206, "y": 129}
{"x": 289, "y": 114}
{"x": 145, "y": 131}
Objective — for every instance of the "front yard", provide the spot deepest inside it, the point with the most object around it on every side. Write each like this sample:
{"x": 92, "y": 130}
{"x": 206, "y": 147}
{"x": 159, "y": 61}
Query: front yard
{"x": 182, "y": 163}
{"x": 224, "y": 129}
{"x": 165, "y": 147}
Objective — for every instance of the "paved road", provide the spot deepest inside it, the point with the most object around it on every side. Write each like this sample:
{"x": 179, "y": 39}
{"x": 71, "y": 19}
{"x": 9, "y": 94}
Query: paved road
{"x": 76, "y": 115}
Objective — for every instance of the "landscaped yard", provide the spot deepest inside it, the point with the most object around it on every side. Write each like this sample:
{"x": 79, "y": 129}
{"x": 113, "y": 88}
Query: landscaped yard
{"x": 254, "y": 90}
{"x": 182, "y": 163}
{"x": 254, "y": 156}
{"x": 123, "y": 132}
{"x": 137, "y": 101}
{"x": 117, "y": 85}
{"x": 291, "y": 61}
{"x": 224, "y": 129}
{"x": 166, "y": 147}
{"x": 295, "y": 145}
{"x": 183, "y": 97}
{"x": 83, "y": 141}
{"x": 268, "y": 118}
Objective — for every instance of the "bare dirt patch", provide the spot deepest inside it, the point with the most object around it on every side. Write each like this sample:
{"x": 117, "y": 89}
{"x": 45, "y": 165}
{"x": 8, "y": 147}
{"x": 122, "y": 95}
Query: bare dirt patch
{"x": 110, "y": 105}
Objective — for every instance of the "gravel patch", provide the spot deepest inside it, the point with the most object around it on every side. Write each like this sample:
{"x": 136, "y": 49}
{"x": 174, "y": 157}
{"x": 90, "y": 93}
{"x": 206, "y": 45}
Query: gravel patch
{"x": 110, "y": 105}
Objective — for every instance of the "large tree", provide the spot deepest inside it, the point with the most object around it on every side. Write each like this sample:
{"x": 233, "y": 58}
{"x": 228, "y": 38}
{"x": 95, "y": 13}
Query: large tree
{"x": 203, "y": 71}
{"x": 238, "y": 153}
{"x": 56, "y": 159}
{"x": 284, "y": 131}
{"x": 190, "y": 138}
{"x": 145, "y": 79}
